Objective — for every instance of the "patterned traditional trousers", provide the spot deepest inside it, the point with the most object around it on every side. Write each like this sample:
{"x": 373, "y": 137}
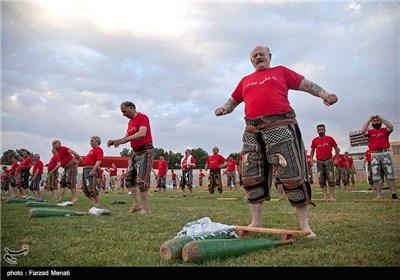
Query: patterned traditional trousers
{"x": 278, "y": 144}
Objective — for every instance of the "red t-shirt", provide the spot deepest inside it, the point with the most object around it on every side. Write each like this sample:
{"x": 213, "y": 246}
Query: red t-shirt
{"x": 26, "y": 163}
{"x": 214, "y": 161}
{"x": 162, "y": 168}
{"x": 378, "y": 138}
{"x": 349, "y": 161}
{"x": 113, "y": 171}
{"x": 173, "y": 176}
{"x": 38, "y": 166}
{"x": 133, "y": 127}
{"x": 231, "y": 166}
{"x": 323, "y": 146}
{"x": 6, "y": 174}
{"x": 14, "y": 167}
{"x": 53, "y": 162}
{"x": 64, "y": 155}
{"x": 341, "y": 161}
{"x": 265, "y": 92}
{"x": 185, "y": 160}
{"x": 93, "y": 156}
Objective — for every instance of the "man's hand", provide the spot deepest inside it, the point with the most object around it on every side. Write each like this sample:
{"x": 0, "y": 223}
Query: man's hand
{"x": 220, "y": 111}
{"x": 114, "y": 143}
{"x": 330, "y": 99}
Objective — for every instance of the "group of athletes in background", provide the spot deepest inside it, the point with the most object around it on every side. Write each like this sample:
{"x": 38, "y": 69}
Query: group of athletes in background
{"x": 26, "y": 175}
{"x": 332, "y": 170}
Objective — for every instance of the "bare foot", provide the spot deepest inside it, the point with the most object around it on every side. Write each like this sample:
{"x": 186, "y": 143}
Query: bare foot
{"x": 312, "y": 235}
{"x": 378, "y": 198}
{"x": 135, "y": 209}
{"x": 74, "y": 200}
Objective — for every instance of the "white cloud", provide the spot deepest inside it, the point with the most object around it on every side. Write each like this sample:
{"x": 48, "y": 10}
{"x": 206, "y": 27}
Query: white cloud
{"x": 67, "y": 66}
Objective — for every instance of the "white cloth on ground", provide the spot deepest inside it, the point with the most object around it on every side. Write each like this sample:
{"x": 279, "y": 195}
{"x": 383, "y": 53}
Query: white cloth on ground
{"x": 205, "y": 226}
{"x": 97, "y": 211}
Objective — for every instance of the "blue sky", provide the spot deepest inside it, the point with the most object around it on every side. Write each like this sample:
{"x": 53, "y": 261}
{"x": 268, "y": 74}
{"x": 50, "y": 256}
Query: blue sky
{"x": 67, "y": 66}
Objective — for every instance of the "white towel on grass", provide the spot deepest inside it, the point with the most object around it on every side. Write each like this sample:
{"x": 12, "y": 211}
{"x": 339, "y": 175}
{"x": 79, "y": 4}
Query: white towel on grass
{"x": 98, "y": 211}
{"x": 65, "y": 203}
{"x": 205, "y": 226}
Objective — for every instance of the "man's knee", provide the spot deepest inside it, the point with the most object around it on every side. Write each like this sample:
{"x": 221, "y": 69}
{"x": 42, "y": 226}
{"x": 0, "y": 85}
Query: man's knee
{"x": 299, "y": 194}
{"x": 257, "y": 193}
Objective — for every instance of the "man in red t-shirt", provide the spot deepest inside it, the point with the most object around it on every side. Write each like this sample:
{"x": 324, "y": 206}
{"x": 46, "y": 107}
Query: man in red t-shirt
{"x": 378, "y": 138}
{"x": 113, "y": 171}
{"x": 68, "y": 159}
{"x": 36, "y": 178}
{"x": 201, "y": 177}
{"x": 215, "y": 162}
{"x": 122, "y": 180}
{"x": 188, "y": 163}
{"x": 139, "y": 135}
{"x": 341, "y": 170}
{"x": 322, "y": 146}
{"x": 14, "y": 186}
{"x": 351, "y": 170}
{"x": 173, "y": 177}
{"x": 162, "y": 175}
{"x": 5, "y": 180}
{"x": 231, "y": 173}
{"x": 24, "y": 170}
{"x": 272, "y": 135}
{"x": 90, "y": 174}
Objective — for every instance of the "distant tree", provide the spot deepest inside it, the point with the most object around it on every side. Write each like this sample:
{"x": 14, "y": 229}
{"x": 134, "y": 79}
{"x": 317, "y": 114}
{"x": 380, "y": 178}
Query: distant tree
{"x": 201, "y": 157}
{"x": 160, "y": 152}
{"x": 126, "y": 153}
{"x": 6, "y": 157}
{"x": 173, "y": 159}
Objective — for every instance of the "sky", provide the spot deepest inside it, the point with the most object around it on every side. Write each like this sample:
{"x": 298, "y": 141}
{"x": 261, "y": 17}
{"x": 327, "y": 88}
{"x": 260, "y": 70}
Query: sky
{"x": 66, "y": 66}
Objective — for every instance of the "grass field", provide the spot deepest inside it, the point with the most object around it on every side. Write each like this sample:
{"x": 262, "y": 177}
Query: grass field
{"x": 350, "y": 234}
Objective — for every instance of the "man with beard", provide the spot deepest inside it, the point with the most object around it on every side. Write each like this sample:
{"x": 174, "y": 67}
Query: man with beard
{"x": 272, "y": 135}
{"x": 381, "y": 156}
{"x": 323, "y": 145}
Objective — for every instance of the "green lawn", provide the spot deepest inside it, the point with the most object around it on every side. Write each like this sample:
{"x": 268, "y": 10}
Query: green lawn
{"x": 350, "y": 234}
